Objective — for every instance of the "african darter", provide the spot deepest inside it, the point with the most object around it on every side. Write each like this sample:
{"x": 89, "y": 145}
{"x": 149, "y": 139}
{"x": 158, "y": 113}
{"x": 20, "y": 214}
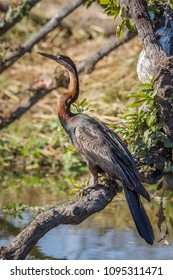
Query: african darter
{"x": 102, "y": 150}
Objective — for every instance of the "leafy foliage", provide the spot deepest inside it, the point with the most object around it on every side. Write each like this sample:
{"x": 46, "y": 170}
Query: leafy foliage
{"x": 142, "y": 126}
{"x": 19, "y": 10}
{"x": 15, "y": 209}
{"x": 161, "y": 2}
{"x": 81, "y": 107}
{"x": 112, "y": 8}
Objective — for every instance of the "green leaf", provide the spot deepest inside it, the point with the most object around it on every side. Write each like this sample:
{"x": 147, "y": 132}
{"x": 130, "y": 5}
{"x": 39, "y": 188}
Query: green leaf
{"x": 111, "y": 9}
{"x": 130, "y": 26}
{"x": 145, "y": 86}
{"x": 83, "y": 102}
{"x": 137, "y": 103}
{"x": 150, "y": 120}
{"x": 78, "y": 186}
{"x": 131, "y": 117}
{"x": 74, "y": 191}
{"x": 163, "y": 137}
{"x": 138, "y": 95}
{"x": 154, "y": 93}
{"x": 120, "y": 30}
{"x": 146, "y": 136}
{"x": 152, "y": 9}
{"x": 105, "y": 2}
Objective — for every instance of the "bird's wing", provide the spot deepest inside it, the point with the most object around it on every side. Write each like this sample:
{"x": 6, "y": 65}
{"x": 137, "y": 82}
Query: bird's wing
{"x": 101, "y": 147}
{"x": 118, "y": 142}
{"x": 122, "y": 147}
{"x": 139, "y": 187}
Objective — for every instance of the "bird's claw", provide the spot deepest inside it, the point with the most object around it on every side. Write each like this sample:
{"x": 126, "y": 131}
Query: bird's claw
{"x": 88, "y": 189}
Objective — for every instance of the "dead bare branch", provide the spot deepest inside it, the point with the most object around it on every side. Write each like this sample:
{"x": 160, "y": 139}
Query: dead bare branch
{"x": 10, "y": 58}
{"x": 88, "y": 65}
{"x": 17, "y": 13}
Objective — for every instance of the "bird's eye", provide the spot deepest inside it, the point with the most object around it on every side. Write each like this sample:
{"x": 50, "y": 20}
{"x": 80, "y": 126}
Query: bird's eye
{"x": 58, "y": 57}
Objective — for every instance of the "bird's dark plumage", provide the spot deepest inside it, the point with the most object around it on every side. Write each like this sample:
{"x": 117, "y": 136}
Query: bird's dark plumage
{"x": 103, "y": 151}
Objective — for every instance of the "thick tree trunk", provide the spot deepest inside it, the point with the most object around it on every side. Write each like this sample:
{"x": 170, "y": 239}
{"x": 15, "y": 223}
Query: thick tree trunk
{"x": 161, "y": 63}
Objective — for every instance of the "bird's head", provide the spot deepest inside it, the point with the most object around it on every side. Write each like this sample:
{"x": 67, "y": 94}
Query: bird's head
{"x": 61, "y": 59}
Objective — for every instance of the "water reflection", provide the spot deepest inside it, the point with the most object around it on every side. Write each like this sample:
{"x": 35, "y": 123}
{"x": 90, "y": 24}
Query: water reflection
{"x": 82, "y": 244}
{"x": 107, "y": 235}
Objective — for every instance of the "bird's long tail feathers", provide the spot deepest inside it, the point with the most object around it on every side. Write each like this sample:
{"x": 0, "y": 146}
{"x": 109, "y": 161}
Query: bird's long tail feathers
{"x": 139, "y": 215}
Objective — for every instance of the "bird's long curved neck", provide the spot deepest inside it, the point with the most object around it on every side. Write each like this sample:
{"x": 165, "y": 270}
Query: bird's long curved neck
{"x": 65, "y": 100}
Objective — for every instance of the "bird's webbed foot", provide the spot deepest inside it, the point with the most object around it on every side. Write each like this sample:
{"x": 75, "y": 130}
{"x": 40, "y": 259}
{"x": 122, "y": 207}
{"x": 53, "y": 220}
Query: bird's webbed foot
{"x": 92, "y": 185}
{"x": 93, "y": 181}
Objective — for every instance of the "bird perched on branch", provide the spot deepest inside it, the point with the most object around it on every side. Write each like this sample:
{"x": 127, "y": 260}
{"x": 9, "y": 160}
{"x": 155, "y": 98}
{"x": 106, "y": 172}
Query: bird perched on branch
{"x": 102, "y": 150}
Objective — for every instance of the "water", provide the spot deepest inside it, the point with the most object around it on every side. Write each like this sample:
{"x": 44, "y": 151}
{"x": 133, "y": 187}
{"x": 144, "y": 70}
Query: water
{"x": 81, "y": 244}
{"x": 109, "y": 234}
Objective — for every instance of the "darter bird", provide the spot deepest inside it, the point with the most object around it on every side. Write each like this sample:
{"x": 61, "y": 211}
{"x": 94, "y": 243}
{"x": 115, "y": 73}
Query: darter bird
{"x": 102, "y": 150}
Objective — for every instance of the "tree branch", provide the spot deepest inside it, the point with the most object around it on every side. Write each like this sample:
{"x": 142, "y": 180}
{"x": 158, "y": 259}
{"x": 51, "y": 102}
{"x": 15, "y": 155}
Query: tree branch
{"x": 75, "y": 213}
{"x": 26, "y": 104}
{"x": 10, "y": 58}
{"x": 86, "y": 65}
{"x": 14, "y": 15}
{"x": 89, "y": 64}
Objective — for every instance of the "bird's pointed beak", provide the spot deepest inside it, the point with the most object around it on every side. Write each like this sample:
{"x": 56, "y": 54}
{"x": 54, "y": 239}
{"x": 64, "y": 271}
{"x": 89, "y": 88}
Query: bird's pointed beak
{"x": 51, "y": 56}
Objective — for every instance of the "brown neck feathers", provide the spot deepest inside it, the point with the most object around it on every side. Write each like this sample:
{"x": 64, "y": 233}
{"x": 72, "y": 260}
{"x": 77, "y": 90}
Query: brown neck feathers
{"x": 65, "y": 100}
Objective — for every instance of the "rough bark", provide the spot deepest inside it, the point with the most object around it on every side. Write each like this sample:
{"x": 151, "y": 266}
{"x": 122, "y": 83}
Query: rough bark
{"x": 161, "y": 63}
{"x": 93, "y": 201}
